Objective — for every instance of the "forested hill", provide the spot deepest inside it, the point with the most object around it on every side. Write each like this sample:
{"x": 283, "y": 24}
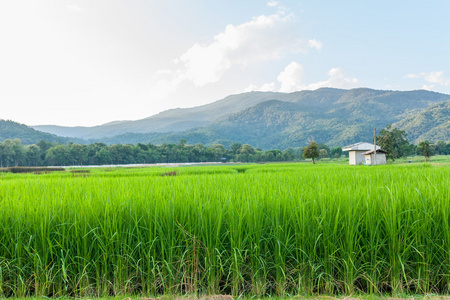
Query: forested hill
{"x": 346, "y": 120}
{"x": 279, "y": 120}
{"x": 12, "y": 130}
{"x": 332, "y": 116}
{"x": 431, "y": 124}
{"x": 382, "y": 105}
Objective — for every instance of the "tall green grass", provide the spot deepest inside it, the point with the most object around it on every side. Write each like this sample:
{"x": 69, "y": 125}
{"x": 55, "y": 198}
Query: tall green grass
{"x": 281, "y": 230}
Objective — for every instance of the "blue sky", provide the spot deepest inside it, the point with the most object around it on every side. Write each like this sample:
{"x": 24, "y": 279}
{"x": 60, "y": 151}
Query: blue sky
{"x": 84, "y": 62}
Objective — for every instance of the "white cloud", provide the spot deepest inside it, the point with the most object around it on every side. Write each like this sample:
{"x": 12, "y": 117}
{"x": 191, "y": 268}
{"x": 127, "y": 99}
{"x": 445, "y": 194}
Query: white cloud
{"x": 315, "y": 44}
{"x": 272, "y": 3}
{"x": 337, "y": 80}
{"x": 431, "y": 77}
{"x": 292, "y": 76}
{"x": 205, "y": 64}
{"x": 411, "y": 75}
{"x": 267, "y": 87}
{"x": 436, "y": 77}
{"x": 428, "y": 87}
{"x": 262, "y": 39}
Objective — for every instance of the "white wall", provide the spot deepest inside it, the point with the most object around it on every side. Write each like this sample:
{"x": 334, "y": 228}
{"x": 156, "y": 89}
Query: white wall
{"x": 356, "y": 157}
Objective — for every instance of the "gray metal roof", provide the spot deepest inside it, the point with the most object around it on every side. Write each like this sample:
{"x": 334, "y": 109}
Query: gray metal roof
{"x": 361, "y": 146}
{"x": 378, "y": 151}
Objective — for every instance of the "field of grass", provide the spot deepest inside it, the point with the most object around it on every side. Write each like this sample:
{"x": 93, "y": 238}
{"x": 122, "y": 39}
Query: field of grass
{"x": 254, "y": 230}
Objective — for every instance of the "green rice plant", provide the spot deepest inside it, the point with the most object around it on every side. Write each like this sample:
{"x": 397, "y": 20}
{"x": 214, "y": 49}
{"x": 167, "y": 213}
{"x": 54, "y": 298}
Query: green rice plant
{"x": 275, "y": 230}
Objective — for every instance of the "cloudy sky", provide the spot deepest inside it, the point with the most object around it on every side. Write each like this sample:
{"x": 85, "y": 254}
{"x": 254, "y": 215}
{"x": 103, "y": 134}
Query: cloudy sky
{"x": 86, "y": 62}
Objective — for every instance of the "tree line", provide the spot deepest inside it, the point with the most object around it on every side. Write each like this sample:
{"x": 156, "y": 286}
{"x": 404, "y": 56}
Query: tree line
{"x": 45, "y": 153}
{"x": 395, "y": 143}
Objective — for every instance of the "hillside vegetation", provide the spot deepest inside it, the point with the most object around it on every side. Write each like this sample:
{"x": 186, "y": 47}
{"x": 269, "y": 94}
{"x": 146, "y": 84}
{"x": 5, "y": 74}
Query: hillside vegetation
{"x": 12, "y": 130}
{"x": 280, "y": 120}
{"x": 334, "y": 117}
{"x": 431, "y": 124}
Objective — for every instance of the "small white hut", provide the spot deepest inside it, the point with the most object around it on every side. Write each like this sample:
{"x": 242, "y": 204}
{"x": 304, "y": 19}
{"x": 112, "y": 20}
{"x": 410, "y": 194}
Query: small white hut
{"x": 356, "y": 152}
{"x": 380, "y": 157}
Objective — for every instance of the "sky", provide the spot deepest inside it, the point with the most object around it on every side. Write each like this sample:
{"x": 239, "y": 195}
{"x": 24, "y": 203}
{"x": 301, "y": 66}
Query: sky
{"x": 89, "y": 62}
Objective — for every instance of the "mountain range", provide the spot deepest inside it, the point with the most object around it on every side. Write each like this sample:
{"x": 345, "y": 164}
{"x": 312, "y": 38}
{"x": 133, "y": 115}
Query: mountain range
{"x": 272, "y": 120}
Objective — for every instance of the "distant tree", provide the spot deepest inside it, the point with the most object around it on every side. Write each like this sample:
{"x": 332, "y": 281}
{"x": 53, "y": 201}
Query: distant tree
{"x": 235, "y": 147}
{"x": 299, "y": 152}
{"x": 93, "y": 154}
{"x": 44, "y": 145}
{"x": 103, "y": 156}
{"x": 182, "y": 143}
{"x": 246, "y": 153}
{"x": 33, "y": 154}
{"x": 441, "y": 148}
{"x": 447, "y": 149}
{"x": 426, "y": 149}
{"x": 247, "y": 149}
{"x": 259, "y": 156}
{"x": 336, "y": 152}
{"x": 200, "y": 153}
{"x": 218, "y": 151}
{"x": 289, "y": 154}
{"x": 142, "y": 146}
{"x": 323, "y": 146}
{"x": 19, "y": 152}
{"x": 323, "y": 153}
{"x": 12, "y": 153}
{"x": 395, "y": 142}
{"x": 78, "y": 153}
{"x": 58, "y": 155}
{"x": 273, "y": 155}
{"x": 312, "y": 151}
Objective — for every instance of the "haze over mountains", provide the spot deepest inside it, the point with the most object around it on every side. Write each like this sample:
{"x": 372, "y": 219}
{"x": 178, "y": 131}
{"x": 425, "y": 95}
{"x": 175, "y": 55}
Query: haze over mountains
{"x": 178, "y": 119}
{"x": 279, "y": 120}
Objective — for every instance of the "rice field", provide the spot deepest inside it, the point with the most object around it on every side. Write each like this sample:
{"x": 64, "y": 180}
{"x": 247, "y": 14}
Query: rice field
{"x": 252, "y": 230}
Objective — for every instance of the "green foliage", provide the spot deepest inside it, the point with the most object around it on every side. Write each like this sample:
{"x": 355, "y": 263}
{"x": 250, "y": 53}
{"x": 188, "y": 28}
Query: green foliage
{"x": 442, "y": 148}
{"x": 13, "y": 153}
{"x": 336, "y": 117}
{"x": 395, "y": 142}
{"x": 236, "y": 147}
{"x": 12, "y": 130}
{"x": 323, "y": 153}
{"x": 312, "y": 151}
{"x": 431, "y": 123}
{"x": 278, "y": 121}
{"x": 336, "y": 152}
{"x": 426, "y": 149}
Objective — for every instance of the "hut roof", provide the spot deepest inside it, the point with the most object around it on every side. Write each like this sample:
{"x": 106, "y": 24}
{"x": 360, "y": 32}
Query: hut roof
{"x": 378, "y": 151}
{"x": 360, "y": 147}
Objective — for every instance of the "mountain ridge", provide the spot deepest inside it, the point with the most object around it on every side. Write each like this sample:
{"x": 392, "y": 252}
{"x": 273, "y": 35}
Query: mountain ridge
{"x": 176, "y": 119}
{"x": 279, "y": 124}
{"x": 280, "y": 120}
